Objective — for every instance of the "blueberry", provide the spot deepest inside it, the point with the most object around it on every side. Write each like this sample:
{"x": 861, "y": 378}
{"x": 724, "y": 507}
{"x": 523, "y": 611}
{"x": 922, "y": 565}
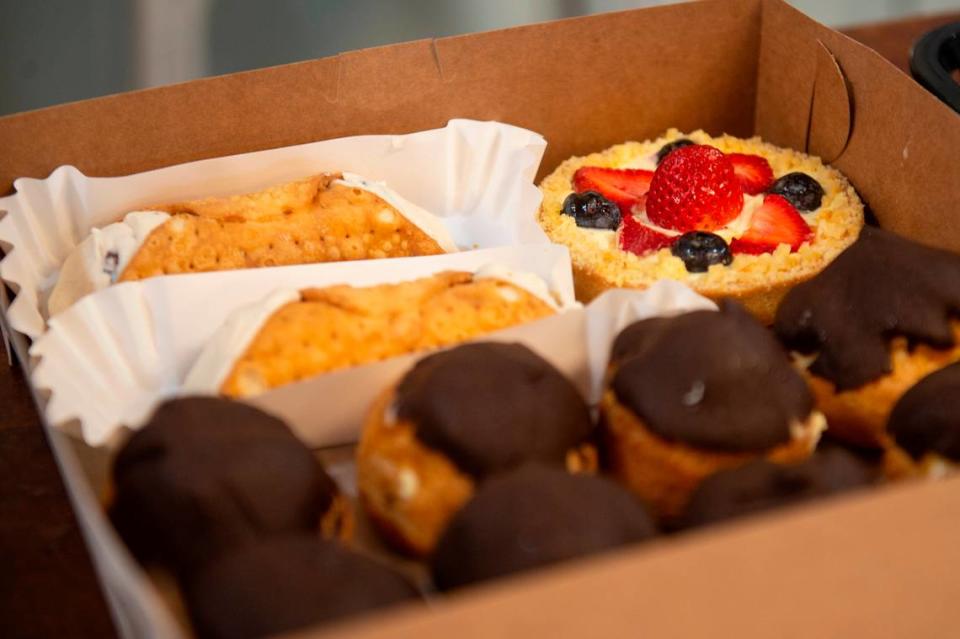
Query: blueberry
{"x": 592, "y": 211}
{"x": 670, "y": 147}
{"x": 699, "y": 249}
{"x": 801, "y": 190}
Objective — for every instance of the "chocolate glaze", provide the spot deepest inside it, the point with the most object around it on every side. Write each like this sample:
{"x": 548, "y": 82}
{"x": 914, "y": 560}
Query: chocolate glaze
{"x": 762, "y": 485}
{"x": 532, "y": 517}
{"x": 883, "y": 285}
{"x": 205, "y": 474}
{"x": 285, "y": 583}
{"x": 492, "y": 406}
{"x": 926, "y": 419}
{"x": 714, "y": 380}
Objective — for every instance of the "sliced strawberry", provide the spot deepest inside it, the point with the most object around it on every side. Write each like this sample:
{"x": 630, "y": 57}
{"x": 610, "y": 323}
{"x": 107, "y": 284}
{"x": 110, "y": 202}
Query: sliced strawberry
{"x": 774, "y": 222}
{"x": 753, "y": 171}
{"x": 626, "y": 187}
{"x": 641, "y": 239}
{"x": 694, "y": 188}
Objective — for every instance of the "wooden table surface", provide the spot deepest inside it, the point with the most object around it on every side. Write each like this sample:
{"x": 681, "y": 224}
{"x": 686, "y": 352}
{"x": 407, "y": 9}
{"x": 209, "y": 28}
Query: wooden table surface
{"x": 47, "y": 584}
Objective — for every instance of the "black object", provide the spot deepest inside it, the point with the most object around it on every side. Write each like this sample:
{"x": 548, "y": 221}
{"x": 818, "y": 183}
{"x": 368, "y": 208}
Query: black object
{"x": 926, "y": 419}
{"x": 207, "y": 475}
{"x": 533, "y": 517}
{"x": 801, "y": 190}
{"x": 286, "y": 583}
{"x": 933, "y": 60}
{"x": 669, "y": 148}
{"x": 699, "y": 250}
{"x": 761, "y": 485}
{"x": 592, "y": 211}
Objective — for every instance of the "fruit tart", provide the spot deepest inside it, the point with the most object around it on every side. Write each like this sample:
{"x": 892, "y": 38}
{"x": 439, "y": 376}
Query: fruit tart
{"x": 729, "y": 217}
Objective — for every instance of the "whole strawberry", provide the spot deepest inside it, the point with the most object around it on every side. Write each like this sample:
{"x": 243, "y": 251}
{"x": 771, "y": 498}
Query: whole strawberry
{"x": 694, "y": 188}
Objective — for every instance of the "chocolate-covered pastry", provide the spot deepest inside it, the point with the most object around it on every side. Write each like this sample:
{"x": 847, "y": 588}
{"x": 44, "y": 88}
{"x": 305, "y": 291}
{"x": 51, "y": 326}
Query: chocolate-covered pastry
{"x": 459, "y": 416}
{"x": 925, "y": 424}
{"x": 533, "y": 517}
{"x": 205, "y": 475}
{"x": 761, "y": 485}
{"x": 490, "y": 406}
{"x": 286, "y": 583}
{"x": 876, "y": 320}
{"x": 697, "y": 393}
{"x": 694, "y": 379}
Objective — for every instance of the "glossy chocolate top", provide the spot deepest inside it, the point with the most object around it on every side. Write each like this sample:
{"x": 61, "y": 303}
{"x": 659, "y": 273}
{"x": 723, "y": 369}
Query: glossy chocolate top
{"x": 883, "y": 285}
{"x": 714, "y": 380}
{"x": 532, "y": 517}
{"x": 205, "y": 474}
{"x": 492, "y": 406}
{"x": 286, "y": 583}
{"x": 927, "y": 418}
{"x": 762, "y": 485}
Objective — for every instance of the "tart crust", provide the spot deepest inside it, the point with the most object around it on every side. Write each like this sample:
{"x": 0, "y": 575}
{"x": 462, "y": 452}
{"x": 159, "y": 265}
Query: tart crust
{"x": 758, "y": 282}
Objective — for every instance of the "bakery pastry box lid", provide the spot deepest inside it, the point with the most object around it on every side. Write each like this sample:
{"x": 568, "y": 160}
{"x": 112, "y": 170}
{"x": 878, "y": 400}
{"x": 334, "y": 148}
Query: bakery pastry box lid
{"x": 880, "y": 564}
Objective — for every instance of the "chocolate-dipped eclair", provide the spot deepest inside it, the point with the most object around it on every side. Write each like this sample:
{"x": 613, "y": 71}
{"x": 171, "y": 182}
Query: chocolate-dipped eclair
{"x": 691, "y": 395}
{"x": 533, "y": 517}
{"x": 206, "y": 475}
{"x": 924, "y": 427}
{"x": 459, "y": 416}
{"x": 879, "y": 318}
{"x": 285, "y": 583}
{"x": 761, "y": 485}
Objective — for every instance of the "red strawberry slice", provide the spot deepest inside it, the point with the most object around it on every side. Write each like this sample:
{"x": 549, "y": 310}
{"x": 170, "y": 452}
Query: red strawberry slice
{"x": 641, "y": 239}
{"x": 753, "y": 171}
{"x": 694, "y": 188}
{"x": 774, "y": 222}
{"x": 626, "y": 187}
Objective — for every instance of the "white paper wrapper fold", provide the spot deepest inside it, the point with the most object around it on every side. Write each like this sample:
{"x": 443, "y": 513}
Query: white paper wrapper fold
{"x": 109, "y": 358}
{"x": 112, "y": 357}
{"x": 478, "y": 176}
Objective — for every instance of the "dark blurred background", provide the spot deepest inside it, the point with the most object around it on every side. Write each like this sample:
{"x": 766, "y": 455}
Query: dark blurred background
{"x": 54, "y": 51}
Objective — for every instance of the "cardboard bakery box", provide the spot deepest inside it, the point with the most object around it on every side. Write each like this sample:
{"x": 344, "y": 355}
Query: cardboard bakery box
{"x": 879, "y": 564}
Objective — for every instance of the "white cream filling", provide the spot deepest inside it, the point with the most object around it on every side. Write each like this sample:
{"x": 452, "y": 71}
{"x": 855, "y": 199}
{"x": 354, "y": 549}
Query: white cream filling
{"x": 606, "y": 239}
{"x": 530, "y": 282}
{"x": 100, "y": 259}
{"x": 231, "y": 340}
{"x": 429, "y": 223}
{"x": 645, "y": 162}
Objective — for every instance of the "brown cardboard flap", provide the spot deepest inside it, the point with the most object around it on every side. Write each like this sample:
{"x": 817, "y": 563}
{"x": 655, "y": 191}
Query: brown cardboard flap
{"x": 831, "y": 113}
{"x": 881, "y": 564}
{"x": 584, "y": 84}
{"x": 903, "y": 142}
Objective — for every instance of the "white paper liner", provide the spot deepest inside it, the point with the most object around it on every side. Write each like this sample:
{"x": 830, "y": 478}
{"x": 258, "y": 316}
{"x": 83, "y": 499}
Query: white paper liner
{"x": 111, "y": 357}
{"x": 478, "y": 176}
